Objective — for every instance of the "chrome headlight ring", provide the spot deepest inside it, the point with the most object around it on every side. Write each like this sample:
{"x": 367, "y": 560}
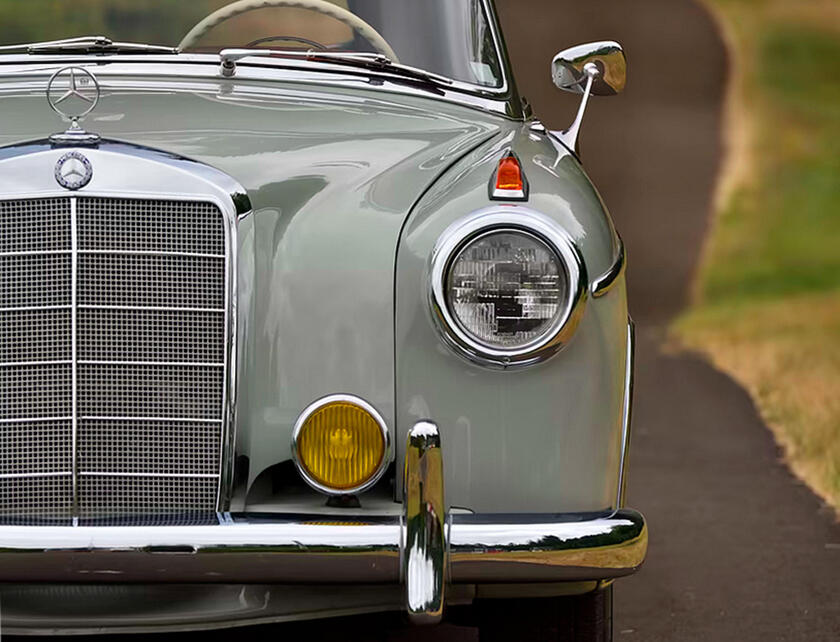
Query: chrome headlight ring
{"x": 518, "y": 220}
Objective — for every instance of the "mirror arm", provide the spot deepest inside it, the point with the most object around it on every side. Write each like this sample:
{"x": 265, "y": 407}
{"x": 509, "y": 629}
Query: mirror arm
{"x": 569, "y": 137}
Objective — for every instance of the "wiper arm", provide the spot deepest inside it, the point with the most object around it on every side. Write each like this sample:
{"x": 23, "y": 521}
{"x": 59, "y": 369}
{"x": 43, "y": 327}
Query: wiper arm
{"x": 374, "y": 61}
{"x": 87, "y": 44}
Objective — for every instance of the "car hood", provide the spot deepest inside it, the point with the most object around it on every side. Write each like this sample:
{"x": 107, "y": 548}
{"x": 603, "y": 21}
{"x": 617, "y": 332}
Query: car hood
{"x": 332, "y": 176}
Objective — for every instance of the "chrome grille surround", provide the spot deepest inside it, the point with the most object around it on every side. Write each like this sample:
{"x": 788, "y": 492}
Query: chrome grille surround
{"x": 118, "y": 329}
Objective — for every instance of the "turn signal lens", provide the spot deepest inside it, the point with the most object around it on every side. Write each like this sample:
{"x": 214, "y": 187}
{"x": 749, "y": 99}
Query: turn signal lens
{"x": 340, "y": 445}
{"x": 509, "y": 175}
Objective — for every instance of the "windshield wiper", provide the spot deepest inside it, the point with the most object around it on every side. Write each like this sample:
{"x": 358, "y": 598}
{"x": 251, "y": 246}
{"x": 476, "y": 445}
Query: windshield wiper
{"x": 360, "y": 59}
{"x": 87, "y": 44}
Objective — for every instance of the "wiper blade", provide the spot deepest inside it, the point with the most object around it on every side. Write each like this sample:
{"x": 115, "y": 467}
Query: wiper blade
{"x": 364, "y": 60}
{"x": 87, "y": 44}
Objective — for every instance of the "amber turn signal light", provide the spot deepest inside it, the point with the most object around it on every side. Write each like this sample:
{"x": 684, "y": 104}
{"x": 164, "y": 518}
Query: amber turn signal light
{"x": 340, "y": 445}
{"x": 509, "y": 176}
{"x": 509, "y": 182}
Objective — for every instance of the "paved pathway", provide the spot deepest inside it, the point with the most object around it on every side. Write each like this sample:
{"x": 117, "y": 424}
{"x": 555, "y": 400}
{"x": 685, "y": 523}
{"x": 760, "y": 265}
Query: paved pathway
{"x": 739, "y": 549}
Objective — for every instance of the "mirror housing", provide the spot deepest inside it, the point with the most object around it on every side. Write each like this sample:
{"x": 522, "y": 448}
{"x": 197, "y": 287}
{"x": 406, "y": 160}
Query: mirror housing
{"x": 598, "y": 68}
{"x": 568, "y": 68}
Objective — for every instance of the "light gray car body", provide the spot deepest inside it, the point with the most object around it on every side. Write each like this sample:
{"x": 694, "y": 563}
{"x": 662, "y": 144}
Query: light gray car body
{"x": 351, "y": 184}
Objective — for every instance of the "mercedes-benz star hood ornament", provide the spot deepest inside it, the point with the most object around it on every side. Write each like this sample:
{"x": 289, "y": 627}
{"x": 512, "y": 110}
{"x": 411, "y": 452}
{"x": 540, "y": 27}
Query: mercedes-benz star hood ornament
{"x": 73, "y": 92}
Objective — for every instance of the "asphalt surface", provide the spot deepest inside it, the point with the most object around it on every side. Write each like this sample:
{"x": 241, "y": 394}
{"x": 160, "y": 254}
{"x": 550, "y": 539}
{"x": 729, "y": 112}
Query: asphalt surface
{"x": 739, "y": 550}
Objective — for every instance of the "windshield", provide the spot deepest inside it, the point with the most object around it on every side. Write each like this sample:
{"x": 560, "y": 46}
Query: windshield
{"x": 448, "y": 37}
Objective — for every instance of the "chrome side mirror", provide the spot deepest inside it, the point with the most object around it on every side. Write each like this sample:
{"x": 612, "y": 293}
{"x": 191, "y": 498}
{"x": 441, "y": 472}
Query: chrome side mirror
{"x": 598, "y": 68}
{"x": 568, "y": 69}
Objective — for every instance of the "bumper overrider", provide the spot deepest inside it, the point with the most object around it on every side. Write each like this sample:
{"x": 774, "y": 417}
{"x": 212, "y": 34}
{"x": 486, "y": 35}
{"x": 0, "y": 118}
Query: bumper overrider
{"x": 424, "y": 549}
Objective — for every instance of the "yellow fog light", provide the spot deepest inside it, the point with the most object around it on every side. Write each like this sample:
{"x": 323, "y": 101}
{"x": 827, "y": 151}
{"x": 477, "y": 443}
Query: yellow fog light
{"x": 340, "y": 444}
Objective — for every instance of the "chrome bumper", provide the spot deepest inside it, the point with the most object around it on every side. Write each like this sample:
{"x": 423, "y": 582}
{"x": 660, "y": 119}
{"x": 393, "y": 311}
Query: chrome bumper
{"x": 425, "y": 549}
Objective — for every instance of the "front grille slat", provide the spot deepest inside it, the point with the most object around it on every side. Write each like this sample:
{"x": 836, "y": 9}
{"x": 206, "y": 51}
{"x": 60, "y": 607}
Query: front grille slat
{"x": 150, "y": 355}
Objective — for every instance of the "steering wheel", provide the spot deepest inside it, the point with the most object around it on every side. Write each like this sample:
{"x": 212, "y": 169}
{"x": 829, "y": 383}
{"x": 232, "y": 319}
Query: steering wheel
{"x": 297, "y": 39}
{"x": 320, "y": 6}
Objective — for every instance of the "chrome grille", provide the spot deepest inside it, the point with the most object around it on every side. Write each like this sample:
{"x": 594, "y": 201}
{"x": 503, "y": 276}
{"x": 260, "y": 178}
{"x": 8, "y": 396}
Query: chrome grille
{"x": 39, "y": 280}
{"x": 174, "y": 391}
{"x": 157, "y": 281}
{"x": 143, "y": 496}
{"x": 113, "y": 344}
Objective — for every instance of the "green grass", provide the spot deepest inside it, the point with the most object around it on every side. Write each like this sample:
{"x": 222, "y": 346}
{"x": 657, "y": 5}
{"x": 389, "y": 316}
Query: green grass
{"x": 767, "y": 306}
{"x": 782, "y": 236}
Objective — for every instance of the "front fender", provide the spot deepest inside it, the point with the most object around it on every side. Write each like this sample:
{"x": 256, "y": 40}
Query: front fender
{"x": 542, "y": 438}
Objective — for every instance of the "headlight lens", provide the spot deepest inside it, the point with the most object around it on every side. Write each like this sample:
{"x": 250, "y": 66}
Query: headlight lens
{"x": 507, "y": 288}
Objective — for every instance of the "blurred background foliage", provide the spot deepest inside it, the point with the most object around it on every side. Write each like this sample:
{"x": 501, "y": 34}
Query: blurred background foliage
{"x": 155, "y": 21}
{"x": 767, "y": 299}
{"x": 133, "y": 20}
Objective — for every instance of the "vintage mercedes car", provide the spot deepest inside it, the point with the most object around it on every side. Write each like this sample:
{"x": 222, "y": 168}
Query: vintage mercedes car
{"x": 303, "y": 314}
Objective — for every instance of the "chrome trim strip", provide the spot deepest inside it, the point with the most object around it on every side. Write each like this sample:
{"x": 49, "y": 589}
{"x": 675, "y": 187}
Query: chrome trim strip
{"x": 336, "y": 549}
{"x": 500, "y": 218}
{"x": 65, "y": 473}
{"x": 29, "y": 420}
{"x": 364, "y": 405}
{"x": 545, "y": 548}
{"x": 227, "y": 444}
{"x": 183, "y": 364}
{"x": 64, "y": 362}
{"x": 74, "y": 350}
{"x": 153, "y": 253}
{"x": 85, "y": 473}
{"x": 36, "y": 253}
{"x": 153, "y": 308}
{"x": 424, "y": 557}
{"x": 209, "y": 420}
{"x": 608, "y": 279}
{"x": 36, "y": 308}
{"x": 626, "y": 413}
{"x": 13, "y": 364}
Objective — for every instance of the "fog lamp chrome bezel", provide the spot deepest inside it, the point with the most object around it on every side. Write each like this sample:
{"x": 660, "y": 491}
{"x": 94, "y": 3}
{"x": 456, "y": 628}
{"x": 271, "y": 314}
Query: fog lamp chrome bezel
{"x": 317, "y": 405}
{"x": 518, "y": 220}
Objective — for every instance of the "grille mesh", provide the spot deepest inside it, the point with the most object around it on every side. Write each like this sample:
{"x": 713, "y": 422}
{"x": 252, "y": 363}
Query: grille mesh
{"x": 36, "y": 447}
{"x": 150, "y": 391}
{"x": 144, "y": 496}
{"x": 39, "y": 280}
{"x": 170, "y": 281}
{"x": 35, "y": 335}
{"x": 150, "y": 355}
{"x": 148, "y": 447}
{"x": 37, "y": 498}
{"x": 36, "y": 391}
{"x": 114, "y": 224}
{"x": 151, "y": 335}
{"x": 35, "y": 225}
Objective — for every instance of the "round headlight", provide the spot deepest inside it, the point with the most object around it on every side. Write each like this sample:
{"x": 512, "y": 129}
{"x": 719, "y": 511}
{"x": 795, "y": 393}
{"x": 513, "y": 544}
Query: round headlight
{"x": 507, "y": 287}
{"x": 340, "y": 445}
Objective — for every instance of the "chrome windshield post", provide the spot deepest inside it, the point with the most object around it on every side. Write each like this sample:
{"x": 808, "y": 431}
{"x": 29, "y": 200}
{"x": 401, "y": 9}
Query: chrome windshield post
{"x": 424, "y": 557}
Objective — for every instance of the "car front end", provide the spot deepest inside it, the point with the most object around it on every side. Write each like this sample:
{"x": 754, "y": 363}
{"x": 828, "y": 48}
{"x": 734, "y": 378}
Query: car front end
{"x": 284, "y": 332}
